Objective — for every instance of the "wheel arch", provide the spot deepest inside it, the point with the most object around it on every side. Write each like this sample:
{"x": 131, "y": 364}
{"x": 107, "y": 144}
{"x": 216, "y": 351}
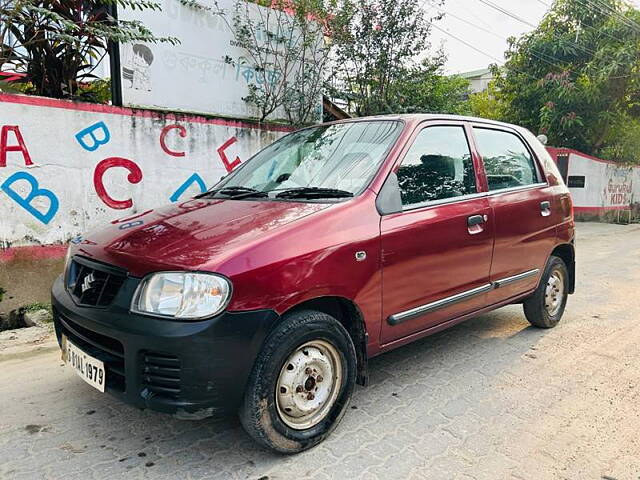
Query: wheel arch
{"x": 566, "y": 252}
{"x": 351, "y": 318}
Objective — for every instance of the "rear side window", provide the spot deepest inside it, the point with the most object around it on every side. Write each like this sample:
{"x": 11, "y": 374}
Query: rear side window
{"x": 507, "y": 160}
{"x": 437, "y": 166}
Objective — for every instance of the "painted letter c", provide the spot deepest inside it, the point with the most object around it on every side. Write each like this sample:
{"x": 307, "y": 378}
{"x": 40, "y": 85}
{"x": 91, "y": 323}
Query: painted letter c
{"x": 135, "y": 175}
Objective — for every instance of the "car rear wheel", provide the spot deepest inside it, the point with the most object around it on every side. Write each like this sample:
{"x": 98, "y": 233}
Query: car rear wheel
{"x": 301, "y": 383}
{"x": 545, "y": 307}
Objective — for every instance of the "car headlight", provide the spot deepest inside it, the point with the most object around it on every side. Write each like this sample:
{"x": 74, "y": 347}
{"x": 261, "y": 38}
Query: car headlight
{"x": 182, "y": 295}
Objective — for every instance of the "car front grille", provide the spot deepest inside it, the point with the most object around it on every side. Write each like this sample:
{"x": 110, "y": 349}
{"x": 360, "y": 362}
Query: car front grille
{"x": 161, "y": 374}
{"x": 93, "y": 284}
{"x": 104, "y": 348}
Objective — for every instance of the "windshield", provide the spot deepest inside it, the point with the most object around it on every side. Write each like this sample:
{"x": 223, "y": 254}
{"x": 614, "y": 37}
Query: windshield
{"x": 329, "y": 161}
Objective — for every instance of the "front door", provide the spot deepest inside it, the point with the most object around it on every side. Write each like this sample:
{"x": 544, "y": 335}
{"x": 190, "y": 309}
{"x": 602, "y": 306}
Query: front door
{"x": 436, "y": 252}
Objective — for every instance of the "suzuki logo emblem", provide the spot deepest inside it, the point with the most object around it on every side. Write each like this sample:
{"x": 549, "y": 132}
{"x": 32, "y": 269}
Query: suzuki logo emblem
{"x": 86, "y": 283}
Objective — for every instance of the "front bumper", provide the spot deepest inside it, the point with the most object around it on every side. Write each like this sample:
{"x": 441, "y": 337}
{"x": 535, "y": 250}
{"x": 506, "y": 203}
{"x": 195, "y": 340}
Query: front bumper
{"x": 191, "y": 369}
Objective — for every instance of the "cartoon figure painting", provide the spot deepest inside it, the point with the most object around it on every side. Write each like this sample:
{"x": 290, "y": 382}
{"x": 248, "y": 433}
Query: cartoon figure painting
{"x": 135, "y": 70}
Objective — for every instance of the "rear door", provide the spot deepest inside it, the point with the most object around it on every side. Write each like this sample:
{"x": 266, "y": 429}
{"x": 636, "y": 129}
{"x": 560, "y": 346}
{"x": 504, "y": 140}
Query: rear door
{"x": 523, "y": 209}
{"x": 436, "y": 252}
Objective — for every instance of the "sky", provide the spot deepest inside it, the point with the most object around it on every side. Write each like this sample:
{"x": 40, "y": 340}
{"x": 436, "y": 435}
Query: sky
{"x": 461, "y": 57}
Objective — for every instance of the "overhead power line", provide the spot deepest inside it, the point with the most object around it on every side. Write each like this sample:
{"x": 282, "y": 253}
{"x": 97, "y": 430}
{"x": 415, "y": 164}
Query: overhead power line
{"x": 606, "y": 9}
{"x": 598, "y": 30}
{"x": 526, "y": 22}
{"x": 473, "y": 47}
{"x": 538, "y": 55}
{"x": 544, "y": 57}
{"x": 507, "y": 12}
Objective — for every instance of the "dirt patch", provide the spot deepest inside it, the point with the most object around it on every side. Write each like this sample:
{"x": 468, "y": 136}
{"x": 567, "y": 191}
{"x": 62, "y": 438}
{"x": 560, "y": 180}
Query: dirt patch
{"x": 34, "y": 315}
{"x": 24, "y": 342}
{"x": 31, "y": 429}
{"x": 12, "y": 321}
{"x": 27, "y": 280}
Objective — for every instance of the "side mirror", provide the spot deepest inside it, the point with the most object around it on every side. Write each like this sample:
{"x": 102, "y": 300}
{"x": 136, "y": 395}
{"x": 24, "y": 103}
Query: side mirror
{"x": 543, "y": 139}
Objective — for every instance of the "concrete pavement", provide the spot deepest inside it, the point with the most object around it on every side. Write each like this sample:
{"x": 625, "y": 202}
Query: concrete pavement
{"x": 489, "y": 399}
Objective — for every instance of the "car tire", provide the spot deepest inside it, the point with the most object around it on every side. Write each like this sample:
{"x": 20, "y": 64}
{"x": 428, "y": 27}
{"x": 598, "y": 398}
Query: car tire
{"x": 545, "y": 307}
{"x": 301, "y": 383}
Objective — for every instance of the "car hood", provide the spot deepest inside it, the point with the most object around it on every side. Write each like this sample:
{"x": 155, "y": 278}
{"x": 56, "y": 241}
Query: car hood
{"x": 192, "y": 235}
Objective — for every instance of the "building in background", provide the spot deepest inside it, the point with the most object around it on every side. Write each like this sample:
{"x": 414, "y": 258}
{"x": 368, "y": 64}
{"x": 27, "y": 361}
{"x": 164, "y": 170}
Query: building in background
{"x": 478, "y": 79}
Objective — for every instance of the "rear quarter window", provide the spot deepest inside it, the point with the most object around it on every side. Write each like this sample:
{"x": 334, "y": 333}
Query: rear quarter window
{"x": 508, "y": 162}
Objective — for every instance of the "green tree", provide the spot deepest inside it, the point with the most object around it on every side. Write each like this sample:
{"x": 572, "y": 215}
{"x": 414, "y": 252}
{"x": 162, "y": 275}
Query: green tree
{"x": 52, "y": 41}
{"x": 286, "y": 47}
{"x": 426, "y": 89}
{"x": 486, "y": 104}
{"x": 286, "y": 51}
{"x": 576, "y": 76}
{"x": 376, "y": 53}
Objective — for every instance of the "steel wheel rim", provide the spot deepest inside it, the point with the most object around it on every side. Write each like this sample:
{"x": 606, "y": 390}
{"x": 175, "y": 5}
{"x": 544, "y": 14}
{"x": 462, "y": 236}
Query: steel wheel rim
{"x": 308, "y": 384}
{"x": 554, "y": 293}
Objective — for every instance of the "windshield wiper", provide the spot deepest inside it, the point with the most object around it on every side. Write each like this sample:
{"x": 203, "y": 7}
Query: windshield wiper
{"x": 314, "y": 192}
{"x": 235, "y": 192}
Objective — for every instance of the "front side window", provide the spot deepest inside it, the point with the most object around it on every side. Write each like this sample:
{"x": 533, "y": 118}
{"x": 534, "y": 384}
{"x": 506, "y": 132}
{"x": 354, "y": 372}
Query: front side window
{"x": 437, "y": 166}
{"x": 507, "y": 160}
{"x": 317, "y": 162}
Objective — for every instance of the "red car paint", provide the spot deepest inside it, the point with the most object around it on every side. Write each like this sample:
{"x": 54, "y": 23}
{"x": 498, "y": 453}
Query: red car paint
{"x": 278, "y": 254}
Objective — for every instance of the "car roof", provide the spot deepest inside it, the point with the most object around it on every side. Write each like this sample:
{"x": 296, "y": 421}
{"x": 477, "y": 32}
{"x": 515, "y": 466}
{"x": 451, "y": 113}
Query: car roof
{"x": 421, "y": 117}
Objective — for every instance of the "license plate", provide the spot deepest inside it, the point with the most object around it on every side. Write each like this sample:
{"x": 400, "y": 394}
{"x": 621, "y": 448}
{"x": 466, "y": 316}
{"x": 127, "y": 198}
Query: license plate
{"x": 90, "y": 369}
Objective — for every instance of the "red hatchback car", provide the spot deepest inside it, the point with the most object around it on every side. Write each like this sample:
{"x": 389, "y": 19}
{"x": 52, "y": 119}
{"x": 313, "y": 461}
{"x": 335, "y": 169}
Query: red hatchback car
{"x": 267, "y": 294}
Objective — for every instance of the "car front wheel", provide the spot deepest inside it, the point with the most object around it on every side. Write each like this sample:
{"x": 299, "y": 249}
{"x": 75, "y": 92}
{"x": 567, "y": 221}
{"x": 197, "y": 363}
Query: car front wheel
{"x": 301, "y": 383}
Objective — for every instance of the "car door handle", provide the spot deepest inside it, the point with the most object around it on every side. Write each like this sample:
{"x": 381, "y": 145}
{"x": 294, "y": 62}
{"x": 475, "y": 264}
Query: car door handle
{"x": 474, "y": 220}
{"x": 475, "y": 224}
{"x": 545, "y": 208}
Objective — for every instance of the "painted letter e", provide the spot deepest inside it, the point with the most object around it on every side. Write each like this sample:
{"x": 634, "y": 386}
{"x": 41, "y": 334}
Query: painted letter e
{"x": 89, "y": 134}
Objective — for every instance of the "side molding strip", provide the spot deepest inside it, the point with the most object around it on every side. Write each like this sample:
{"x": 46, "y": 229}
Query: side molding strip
{"x": 521, "y": 276}
{"x": 444, "y": 302}
{"x": 397, "y": 318}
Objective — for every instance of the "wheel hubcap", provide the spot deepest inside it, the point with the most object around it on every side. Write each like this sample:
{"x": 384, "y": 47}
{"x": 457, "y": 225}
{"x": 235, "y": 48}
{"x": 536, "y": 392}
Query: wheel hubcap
{"x": 554, "y": 293}
{"x": 308, "y": 384}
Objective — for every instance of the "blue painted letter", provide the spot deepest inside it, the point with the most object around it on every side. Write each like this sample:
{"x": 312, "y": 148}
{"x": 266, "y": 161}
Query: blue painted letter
{"x": 25, "y": 202}
{"x": 195, "y": 178}
{"x": 95, "y": 141}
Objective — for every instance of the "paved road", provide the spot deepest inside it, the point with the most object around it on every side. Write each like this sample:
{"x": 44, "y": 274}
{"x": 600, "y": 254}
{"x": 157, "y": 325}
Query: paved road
{"x": 492, "y": 398}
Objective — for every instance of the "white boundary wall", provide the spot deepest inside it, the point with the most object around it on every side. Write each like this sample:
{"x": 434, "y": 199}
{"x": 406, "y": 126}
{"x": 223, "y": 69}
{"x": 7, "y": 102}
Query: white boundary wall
{"x": 67, "y": 167}
{"x": 607, "y": 186}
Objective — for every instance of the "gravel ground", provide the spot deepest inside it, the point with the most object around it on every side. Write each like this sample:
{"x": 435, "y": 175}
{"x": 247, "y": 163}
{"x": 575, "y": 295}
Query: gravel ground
{"x": 492, "y": 398}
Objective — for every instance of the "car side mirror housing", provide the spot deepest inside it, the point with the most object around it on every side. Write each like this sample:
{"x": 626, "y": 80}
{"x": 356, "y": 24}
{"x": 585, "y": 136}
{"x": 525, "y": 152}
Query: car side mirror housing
{"x": 389, "y": 200}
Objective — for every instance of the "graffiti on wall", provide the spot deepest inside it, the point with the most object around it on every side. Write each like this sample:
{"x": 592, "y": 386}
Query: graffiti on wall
{"x": 95, "y": 166}
{"x": 619, "y": 189}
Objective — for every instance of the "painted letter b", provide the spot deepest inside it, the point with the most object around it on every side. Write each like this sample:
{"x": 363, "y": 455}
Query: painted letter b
{"x": 36, "y": 191}
{"x": 89, "y": 134}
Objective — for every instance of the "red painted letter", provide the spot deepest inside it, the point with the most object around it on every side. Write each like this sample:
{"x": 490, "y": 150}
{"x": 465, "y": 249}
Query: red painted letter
{"x": 135, "y": 175}
{"x": 181, "y": 131}
{"x": 20, "y": 147}
{"x": 128, "y": 219}
{"x": 228, "y": 165}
